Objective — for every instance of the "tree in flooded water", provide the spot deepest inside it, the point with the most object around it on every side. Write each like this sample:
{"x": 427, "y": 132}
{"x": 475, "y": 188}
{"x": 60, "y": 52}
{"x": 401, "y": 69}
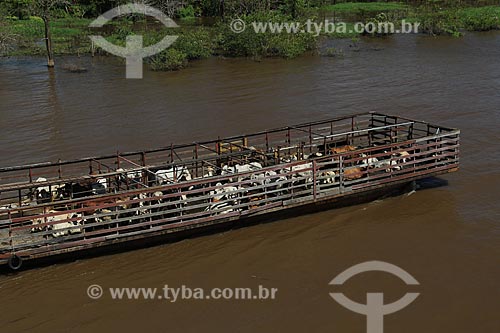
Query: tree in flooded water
{"x": 6, "y": 37}
{"x": 44, "y": 9}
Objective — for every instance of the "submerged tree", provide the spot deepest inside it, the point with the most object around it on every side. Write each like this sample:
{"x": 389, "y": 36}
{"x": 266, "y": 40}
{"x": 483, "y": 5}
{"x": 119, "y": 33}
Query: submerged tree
{"x": 6, "y": 38}
{"x": 44, "y": 9}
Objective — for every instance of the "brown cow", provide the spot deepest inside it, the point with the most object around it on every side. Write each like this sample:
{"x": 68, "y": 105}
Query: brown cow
{"x": 353, "y": 173}
{"x": 342, "y": 149}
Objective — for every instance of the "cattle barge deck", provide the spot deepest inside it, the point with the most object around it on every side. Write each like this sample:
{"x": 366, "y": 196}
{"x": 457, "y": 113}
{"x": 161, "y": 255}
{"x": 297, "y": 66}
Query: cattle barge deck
{"x": 49, "y": 209}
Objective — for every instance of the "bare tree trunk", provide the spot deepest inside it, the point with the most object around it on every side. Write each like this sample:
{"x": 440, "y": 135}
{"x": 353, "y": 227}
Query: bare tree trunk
{"x": 48, "y": 41}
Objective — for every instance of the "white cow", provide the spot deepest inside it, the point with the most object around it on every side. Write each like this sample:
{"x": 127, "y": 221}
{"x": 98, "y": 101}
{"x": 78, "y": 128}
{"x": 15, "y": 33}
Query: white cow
{"x": 368, "y": 162}
{"x": 240, "y": 168}
{"x": 301, "y": 170}
{"x": 313, "y": 155}
{"x": 210, "y": 172}
{"x": 223, "y": 192}
{"x": 140, "y": 210}
{"x": 15, "y": 205}
{"x": 44, "y": 193}
{"x": 36, "y": 224}
{"x": 263, "y": 178}
{"x": 42, "y": 188}
{"x": 393, "y": 162}
{"x": 134, "y": 177}
{"x": 277, "y": 183}
{"x": 329, "y": 177}
{"x": 99, "y": 186}
{"x": 221, "y": 208}
{"x": 405, "y": 156}
{"x": 388, "y": 164}
{"x": 291, "y": 158}
{"x": 63, "y": 228}
{"x": 172, "y": 175}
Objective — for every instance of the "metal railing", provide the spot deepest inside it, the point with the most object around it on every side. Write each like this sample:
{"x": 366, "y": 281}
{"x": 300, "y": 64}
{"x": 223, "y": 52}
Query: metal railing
{"x": 42, "y": 230}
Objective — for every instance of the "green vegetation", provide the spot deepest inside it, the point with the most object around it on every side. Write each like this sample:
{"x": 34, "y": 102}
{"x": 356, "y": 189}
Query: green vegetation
{"x": 169, "y": 60}
{"x": 195, "y": 44}
{"x": 480, "y": 19}
{"x": 453, "y": 20}
{"x": 67, "y": 33}
{"x": 22, "y": 25}
{"x": 191, "y": 45}
{"x": 268, "y": 44}
{"x": 359, "y": 7}
{"x": 187, "y": 12}
{"x": 70, "y": 35}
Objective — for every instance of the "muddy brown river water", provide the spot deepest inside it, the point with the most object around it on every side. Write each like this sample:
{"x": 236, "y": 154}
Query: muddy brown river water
{"x": 447, "y": 237}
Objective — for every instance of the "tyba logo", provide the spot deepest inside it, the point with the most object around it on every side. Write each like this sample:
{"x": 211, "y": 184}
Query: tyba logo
{"x": 133, "y": 52}
{"x": 374, "y": 309}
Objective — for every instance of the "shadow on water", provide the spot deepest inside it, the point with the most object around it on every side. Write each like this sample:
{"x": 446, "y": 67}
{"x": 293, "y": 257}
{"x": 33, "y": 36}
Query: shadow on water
{"x": 431, "y": 182}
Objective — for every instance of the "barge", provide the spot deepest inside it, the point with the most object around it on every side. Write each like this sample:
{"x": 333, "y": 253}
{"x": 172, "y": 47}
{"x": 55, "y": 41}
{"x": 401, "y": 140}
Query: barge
{"x": 79, "y": 206}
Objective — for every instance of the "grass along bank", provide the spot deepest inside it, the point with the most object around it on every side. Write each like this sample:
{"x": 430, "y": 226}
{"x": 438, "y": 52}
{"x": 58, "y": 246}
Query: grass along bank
{"x": 360, "y": 7}
{"x": 435, "y": 18}
{"x": 454, "y": 21}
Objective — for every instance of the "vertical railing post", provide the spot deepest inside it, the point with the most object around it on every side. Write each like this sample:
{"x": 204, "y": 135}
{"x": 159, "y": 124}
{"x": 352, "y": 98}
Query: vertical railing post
{"x": 315, "y": 178}
{"x": 196, "y": 159}
{"x": 10, "y": 231}
{"x": 80, "y": 206}
{"x": 341, "y": 174}
{"x": 59, "y": 169}
{"x": 310, "y": 140}
{"x": 352, "y": 130}
{"x": 117, "y": 159}
{"x": 390, "y": 159}
{"x": 396, "y": 128}
{"x": 145, "y": 171}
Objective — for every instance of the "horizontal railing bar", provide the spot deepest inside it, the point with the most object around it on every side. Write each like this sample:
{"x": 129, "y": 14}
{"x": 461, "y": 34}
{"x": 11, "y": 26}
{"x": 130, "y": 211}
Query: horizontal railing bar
{"x": 365, "y": 130}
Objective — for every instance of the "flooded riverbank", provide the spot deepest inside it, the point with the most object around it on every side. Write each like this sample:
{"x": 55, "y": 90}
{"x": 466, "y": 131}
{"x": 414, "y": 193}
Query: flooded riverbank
{"x": 447, "y": 237}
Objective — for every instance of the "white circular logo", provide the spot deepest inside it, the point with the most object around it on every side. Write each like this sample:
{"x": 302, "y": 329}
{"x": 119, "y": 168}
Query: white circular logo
{"x": 94, "y": 291}
{"x": 134, "y": 51}
{"x": 237, "y": 26}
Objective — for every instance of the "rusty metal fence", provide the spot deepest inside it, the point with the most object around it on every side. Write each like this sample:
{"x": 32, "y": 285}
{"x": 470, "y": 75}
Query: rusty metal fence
{"x": 389, "y": 150}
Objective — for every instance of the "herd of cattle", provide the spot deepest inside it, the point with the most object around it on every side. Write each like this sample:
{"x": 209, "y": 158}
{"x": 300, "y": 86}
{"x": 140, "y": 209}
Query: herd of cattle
{"x": 242, "y": 189}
